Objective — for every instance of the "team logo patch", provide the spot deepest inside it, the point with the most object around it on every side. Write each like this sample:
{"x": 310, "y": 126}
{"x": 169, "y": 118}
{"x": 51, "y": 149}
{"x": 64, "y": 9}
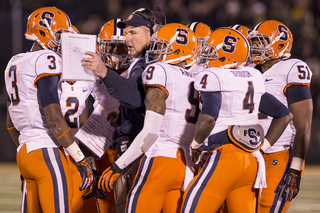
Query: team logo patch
{"x": 275, "y": 162}
{"x": 248, "y": 137}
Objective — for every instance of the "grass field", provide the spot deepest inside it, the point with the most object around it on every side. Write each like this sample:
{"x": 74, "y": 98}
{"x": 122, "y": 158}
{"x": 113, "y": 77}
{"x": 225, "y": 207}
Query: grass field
{"x": 307, "y": 201}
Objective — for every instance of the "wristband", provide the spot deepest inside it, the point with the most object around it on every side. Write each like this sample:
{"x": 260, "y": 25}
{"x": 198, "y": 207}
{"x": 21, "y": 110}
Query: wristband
{"x": 10, "y": 128}
{"x": 195, "y": 144}
{"x": 266, "y": 145}
{"x": 296, "y": 163}
{"x": 75, "y": 152}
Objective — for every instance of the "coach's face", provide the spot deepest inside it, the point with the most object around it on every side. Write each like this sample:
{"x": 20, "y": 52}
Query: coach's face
{"x": 137, "y": 39}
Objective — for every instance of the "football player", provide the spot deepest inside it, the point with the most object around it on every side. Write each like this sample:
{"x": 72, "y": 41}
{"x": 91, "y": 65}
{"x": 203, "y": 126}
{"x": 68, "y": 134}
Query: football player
{"x": 34, "y": 113}
{"x": 288, "y": 79}
{"x": 232, "y": 96}
{"x": 128, "y": 89}
{"x": 114, "y": 53}
{"x": 171, "y": 113}
{"x": 73, "y": 96}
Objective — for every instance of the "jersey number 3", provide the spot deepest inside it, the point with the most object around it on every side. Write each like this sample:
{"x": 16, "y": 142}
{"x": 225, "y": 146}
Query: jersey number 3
{"x": 15, "y": 100}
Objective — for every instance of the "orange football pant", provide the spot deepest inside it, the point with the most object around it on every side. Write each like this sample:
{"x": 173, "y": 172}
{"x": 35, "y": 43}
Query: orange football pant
{"x": 228, "y": 174}
{"x": 158, "y": 185}
{"x": 276, "y": 164}
{"x": 48, "y": 178}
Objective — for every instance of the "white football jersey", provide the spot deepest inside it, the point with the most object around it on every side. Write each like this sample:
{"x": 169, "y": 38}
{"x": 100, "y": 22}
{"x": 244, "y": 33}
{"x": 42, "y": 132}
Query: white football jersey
{"x": 178, "y": 125}
{"x": 21, "y": 74}
{"x": 241, "y": 90}
{"x": 73, "y": 101}
{"x": 277, "y": 79}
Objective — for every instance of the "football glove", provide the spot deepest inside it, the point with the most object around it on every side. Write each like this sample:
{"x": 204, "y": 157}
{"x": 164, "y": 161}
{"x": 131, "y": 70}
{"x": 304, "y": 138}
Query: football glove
{"x": 91, "y": 191}
{"x": 108, "y": 177}
{"x": 85, "y": 173}
{"x": 199, "y": 158}
{"x": 289, "y": 185}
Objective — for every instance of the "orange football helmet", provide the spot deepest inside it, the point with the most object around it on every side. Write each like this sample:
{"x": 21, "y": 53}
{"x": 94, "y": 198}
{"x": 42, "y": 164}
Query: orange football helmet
{"x": 270, "y": 39}
{"x": 226, "y": 48}
{"x": 173, "y": 43}
{"x": 202, "y": 31}
{"x": 44, "y": 23}
{"x": 112, "y": 46}
{"x": 242, "y": 29}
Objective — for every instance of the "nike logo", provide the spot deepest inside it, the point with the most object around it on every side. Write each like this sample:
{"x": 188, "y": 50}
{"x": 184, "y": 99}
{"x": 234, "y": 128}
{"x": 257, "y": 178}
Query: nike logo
{"x": 84, "y": 90}
{"x": 268, "y": 79}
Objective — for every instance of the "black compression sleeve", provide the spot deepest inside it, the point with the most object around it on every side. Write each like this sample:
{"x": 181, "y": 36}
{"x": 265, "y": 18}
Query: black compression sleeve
{"x": 296, "y": 93}
{"x": 270, "y": 105}
{"x": 211, "y": 103}
{"x": 47, "y": 87}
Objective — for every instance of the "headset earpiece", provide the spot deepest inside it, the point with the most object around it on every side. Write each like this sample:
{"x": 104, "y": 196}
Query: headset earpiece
{"x": 156, "y": 28}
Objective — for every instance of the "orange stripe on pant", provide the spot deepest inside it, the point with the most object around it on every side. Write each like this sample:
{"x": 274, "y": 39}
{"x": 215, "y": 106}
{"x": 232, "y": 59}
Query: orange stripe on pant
{"x": 158, "y": 185}
{"x": 48, "y": 178}
{"x": 228, "y": 174}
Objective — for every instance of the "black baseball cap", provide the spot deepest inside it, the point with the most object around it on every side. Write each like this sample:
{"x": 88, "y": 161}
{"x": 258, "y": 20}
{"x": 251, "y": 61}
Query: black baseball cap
{"x": 135, "y": 21}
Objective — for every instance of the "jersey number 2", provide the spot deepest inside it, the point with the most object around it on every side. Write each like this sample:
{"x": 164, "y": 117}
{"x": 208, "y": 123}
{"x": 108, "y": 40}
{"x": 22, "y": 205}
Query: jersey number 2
{"x": 72, "y": 111}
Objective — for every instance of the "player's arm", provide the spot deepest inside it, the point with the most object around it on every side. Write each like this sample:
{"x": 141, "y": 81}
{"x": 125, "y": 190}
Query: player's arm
{"x": 14, "y": 133}
{"x": 211, "y": 103}
{"x": 47, "y": 88}
{"x": 301, "y": 106}
{"x": 85, "y": 114}
{"x": 271, "y": 106}
{"x": 155, "y": 109}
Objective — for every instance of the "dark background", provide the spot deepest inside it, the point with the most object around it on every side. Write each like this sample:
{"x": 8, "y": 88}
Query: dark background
{"x": 301, "y": 16}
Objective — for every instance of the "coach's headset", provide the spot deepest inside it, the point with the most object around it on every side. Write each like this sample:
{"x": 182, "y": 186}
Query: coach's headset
{"x": 150, "y": 16}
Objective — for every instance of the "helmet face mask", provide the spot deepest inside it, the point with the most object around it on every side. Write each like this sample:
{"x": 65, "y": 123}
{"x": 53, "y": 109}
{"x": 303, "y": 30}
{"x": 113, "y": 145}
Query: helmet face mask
{"x": 259, "y": 48}
{"x": 207, "y": 52}
{"x": 115, "y": 55}
{"x": 279, "y": 41}
{"x": 112, "y": 47}
{"x": 159, "y": 48}
{"x": 173, "y": 43}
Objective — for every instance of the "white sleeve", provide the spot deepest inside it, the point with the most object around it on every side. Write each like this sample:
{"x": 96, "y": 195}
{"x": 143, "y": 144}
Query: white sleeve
{"x": 48, "y": 64}
{"x": 143, "y": 141}
{"x": 154, "y": 74}
{"x": 299, "y": 73}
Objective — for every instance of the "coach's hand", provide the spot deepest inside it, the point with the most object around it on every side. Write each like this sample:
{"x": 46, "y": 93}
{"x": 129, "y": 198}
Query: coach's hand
{"x": 85, "y": 173}
{"x": 289, "y": 185}
{"x": 108, "y": 177}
